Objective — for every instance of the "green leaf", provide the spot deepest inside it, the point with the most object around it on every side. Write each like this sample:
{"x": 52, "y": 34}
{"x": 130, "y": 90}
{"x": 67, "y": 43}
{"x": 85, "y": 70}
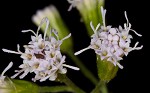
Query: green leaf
{"x": 22, "y": 86}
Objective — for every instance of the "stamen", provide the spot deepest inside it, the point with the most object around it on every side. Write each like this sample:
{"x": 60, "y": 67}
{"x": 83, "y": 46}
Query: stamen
{"x": 136, "y": 44}
{"x": 7, "y": 68}
{"x": 24, "y": 74}
{"x": 55, "y": 33}
{"x": 95, "y": 30}
{"x": 66, "y": 37}
{"x": 24, "y": 31}
{"x": 103, "y": 11}
{"x": 136, "y": 33}
{"x": 137, "y": 48}
{"x": 97, "y": 27}
{"x": 70, "y": 7}
{"x": 46, "y": 29}
{"x": 72, "y": 67}
{"x": 91, "y": 24}
{"x": 18, "y": 48}
{"x": 120, "y": 66}
{"x": 79, "y": 52}
{"x": 10, "y": 51}
{"x": 14, "y": 76}
{"x": 42, "y": 21}
{"x": 125, "y": 13}
{"x": 72, "y": 4}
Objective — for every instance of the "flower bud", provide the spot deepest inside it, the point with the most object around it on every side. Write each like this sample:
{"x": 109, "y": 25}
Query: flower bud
{"x": 89, "y": 11}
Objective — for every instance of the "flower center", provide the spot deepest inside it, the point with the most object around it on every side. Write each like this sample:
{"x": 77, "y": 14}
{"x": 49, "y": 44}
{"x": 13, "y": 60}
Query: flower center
{"x": 124, "y": 37}
{"x": 39, "y": 56}
{"x": 36, "y": 65}
{"x": 29, "y": 56}
{"x": 42, "y": 45}
{"x": 104, "y": 53}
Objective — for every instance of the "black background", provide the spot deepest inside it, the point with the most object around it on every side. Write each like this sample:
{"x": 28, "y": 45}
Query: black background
{"x": 16, "y": 16}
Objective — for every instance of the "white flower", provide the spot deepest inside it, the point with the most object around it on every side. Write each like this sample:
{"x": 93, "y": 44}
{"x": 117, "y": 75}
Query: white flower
{"x": 110, "y": 43}
{"x": 42, "y": 56}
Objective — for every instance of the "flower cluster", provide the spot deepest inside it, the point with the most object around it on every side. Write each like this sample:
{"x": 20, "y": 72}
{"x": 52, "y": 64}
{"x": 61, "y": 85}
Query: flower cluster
{"x": 42, "y": 56}
{"x": 111, "y": 44}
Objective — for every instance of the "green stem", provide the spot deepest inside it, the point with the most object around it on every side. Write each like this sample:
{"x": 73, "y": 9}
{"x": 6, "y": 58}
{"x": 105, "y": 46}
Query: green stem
{"x": 47, "y": 89}
{"x": 100, "y": 88}
{"x": 87, "y": 73}
{"x": 104, "y": 89}
{"x": 68, "y": 82}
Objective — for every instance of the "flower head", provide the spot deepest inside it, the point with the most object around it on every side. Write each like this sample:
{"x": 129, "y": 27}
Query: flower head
{"x": 111, "y": 44}
{"x": 42, "y": 55}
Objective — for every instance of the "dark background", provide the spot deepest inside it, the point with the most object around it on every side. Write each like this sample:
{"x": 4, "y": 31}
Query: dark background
{"x": 16, "y": 16}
